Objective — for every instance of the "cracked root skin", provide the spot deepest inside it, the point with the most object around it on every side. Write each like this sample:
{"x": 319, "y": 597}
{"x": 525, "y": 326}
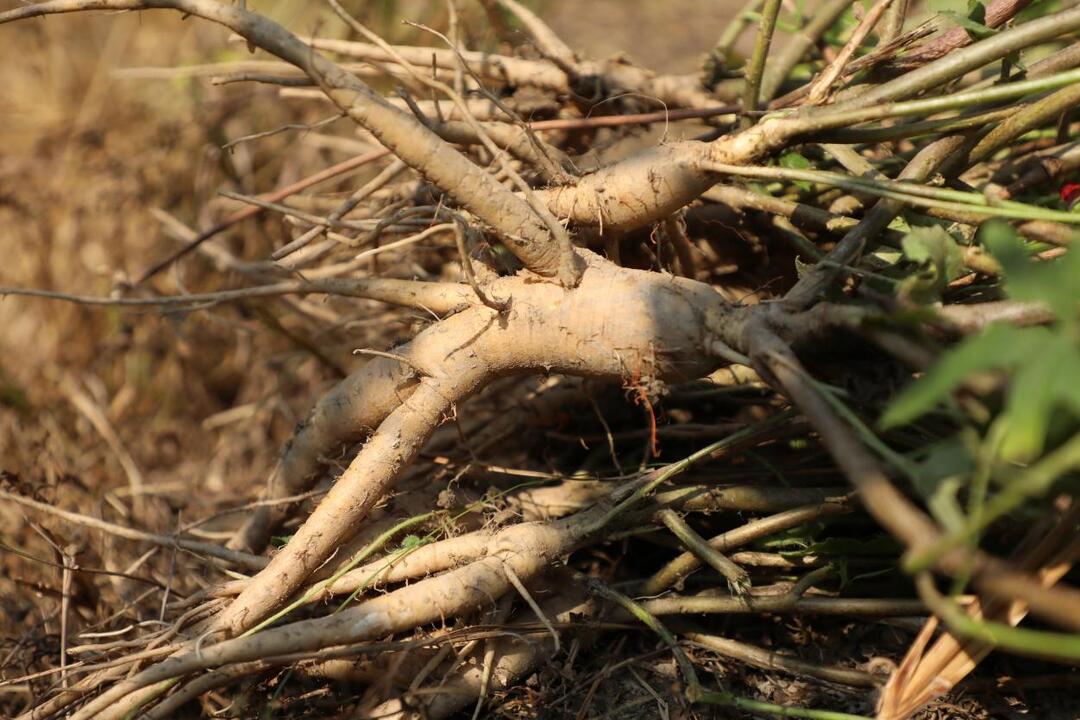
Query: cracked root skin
{"x": 619, "y": 324}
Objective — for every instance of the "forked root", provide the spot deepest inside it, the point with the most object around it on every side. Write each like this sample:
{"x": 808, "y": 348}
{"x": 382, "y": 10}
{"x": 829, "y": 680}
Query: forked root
{"x": 523, "y": 551}
{"x": 618, "y": 324}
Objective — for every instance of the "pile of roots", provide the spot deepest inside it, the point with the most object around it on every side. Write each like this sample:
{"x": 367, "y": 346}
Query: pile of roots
{"x": 639, "y": 403}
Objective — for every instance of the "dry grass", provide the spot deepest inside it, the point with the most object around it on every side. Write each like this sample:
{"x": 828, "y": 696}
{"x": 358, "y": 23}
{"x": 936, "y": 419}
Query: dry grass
{"x": 84, "y": 159}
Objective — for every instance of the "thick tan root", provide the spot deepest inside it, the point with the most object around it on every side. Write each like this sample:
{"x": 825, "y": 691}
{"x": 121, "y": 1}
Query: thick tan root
{"x": 557, "y": 501}
{"x": 348, "y": 413}
{"x": 513, "y": 658}
{"x": 609, "y": 327}
{"x": 526, "y": 549}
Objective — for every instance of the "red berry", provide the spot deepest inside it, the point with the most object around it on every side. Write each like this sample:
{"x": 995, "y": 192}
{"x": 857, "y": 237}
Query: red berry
{"x": 1070, "y": 193}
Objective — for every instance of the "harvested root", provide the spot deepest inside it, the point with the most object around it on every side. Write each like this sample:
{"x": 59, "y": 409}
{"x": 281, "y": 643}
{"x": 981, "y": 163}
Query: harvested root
{"x": 455, "y": 357}
{"x": 552, "y": 308}
{"x": 528, "y": 549}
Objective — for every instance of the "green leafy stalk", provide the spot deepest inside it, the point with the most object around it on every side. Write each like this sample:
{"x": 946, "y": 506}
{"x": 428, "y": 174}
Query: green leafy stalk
{"x": 659, "y": 477}
{"x": 908, "y": 193}
{"x": 727, "y": 699}
{"x": 693, "y": 686}
{"x": 842, "y": 117}
{"x": 756, "y": 68}
{"x": 1030, "y": 483}
{"x": 1035, "y": 643}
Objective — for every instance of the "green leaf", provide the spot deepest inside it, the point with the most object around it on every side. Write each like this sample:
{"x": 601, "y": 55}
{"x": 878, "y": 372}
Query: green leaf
{"x": 977, "y": 30}
{"x": 945, "y": 459}
{"x": 976, "y": 11}
{"x": 878, "y": 546}
{"x": 940, "y": 259}
{"x": 1042, "y": 381}
{"x": 974, "y": 21}
{"x": 939, "y": 477}
{"x": 1004, "y": 243}
{"x": 796, "y": 161}
{"x": 1054, "y": 282}
{"x": 1068, "y": 387}
{"x": 944, "y": 503}
{"x": 997, "y": 346}
{"x": 795, "y": 540}
{"x": 411, "y": 542}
